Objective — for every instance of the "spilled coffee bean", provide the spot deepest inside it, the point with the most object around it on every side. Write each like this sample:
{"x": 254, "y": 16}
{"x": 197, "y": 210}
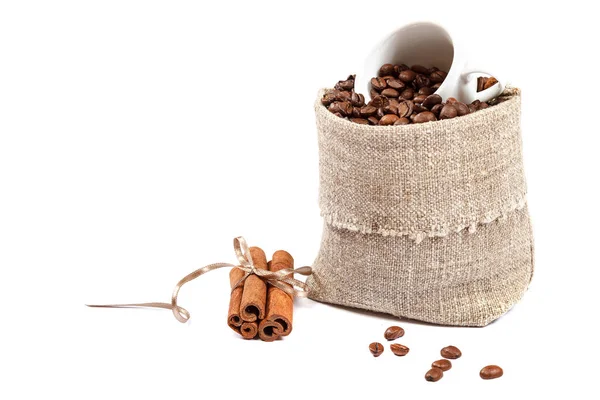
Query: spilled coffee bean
{"x": 404, "y": 92}
{"x": 434, "y": 375}
{"x": 393, "y": 333}
{"x": 491, "y": 372}
{"x": 443, "y": 364}
{"x": 376, "y": 349}
{"x": 399, "y": 349}
{"x": 451, "y": 352}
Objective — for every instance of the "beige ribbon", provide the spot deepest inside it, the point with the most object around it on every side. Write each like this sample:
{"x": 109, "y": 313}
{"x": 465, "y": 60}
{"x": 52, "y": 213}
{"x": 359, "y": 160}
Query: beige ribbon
{"x": 281, "y": 279}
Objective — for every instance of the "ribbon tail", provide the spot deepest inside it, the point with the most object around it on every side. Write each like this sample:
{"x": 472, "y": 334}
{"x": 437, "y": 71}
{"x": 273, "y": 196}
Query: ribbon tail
{"x": 181, "y": 313}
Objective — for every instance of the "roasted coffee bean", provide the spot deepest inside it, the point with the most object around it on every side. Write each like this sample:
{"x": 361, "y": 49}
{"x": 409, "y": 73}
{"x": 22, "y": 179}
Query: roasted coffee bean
{"x": 395, "y": 84}
{"x": 432, "y": 70}
{"x": 334, "y": 107}
{"x": 437, "y": 108}
{"x": 394, "y": 102}
{"x": 438, "y": 76}
{"x": 367, "y": 111}
{"x": 407, "y": 93}
{"x": 378, "y": 84}
{"x": 482, "y": 105}
{"x": 356, "y": 112}
{"x": 393, "y": 332}
{"x": 451, "y": 100}
{"x": 461, "y": 108}
{"x": 402, "y": 121}
{"x": 443, "y": 364}
{"x": 341, "y": 95}
{"x": 420, "y": 98}
{"x": 472, "y": 108}
{"x": 407, "y": 76}
{"x": 337, "y": 114}
{"x": 373, "y": 93}
{"x": 386, "y": 69}
{"x": 345, "y": 108}
{"x": 422, "y": 81}
{"x": 399, "y": 349}
{"x": 490, "y": 82}
{"x": 426, "y": 91}
{"x": 491, "y": 372}
{"x": 373, "y": 120}
{"x": 376, "y": 349}
{"x": 432, "y": 100}
{"x": 389, "y": 92}
{"x": 418, "y": 108}
{"x": 434, "y": 375}
{"x": 436, "y": 86}
{"x": 388, "y": 119}
{"x": 425, "y": 116}
{"x": 359, "y": 121}
{"x": 481, "y": 83}
{"x": 327, "y": 99}
{"x": 380, "y": 113}
{"x": 405, "y": 109}
{"x": 390, "y": 109}
{"x": 348, "y": 84}
{"x": 451, "y": 352}
{"x": 357, "y": 100}
{"x": 419, "y": 69}
{"x": 476, "y": 103}
{"x": 449, "y": 111}
{"x": 379, "y": 101}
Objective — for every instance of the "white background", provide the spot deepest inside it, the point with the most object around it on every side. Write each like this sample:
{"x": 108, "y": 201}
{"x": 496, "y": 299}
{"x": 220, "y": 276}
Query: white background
{"x": 137, "y": 138}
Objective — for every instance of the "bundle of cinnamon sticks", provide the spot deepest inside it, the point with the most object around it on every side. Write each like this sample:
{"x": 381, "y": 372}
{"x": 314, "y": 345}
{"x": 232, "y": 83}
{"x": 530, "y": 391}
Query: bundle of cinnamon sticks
{"x": 256, "y": 310}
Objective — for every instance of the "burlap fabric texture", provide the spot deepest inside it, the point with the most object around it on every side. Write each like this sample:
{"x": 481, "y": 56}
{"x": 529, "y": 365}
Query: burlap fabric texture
{"x": 424, "y": 221}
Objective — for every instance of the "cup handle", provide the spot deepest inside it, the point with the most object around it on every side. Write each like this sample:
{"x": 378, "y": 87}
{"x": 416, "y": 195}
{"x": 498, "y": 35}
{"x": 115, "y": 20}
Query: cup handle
{"x": 485, "y": 95}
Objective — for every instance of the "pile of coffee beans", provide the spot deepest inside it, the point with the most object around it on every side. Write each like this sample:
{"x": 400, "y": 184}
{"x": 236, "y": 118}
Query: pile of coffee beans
{"x": 437, "y": 367}
{"x": 400, "y": 95}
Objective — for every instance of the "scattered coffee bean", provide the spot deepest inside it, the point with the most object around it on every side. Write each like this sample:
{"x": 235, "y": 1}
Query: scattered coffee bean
{"x": 393, "y": 333}
{"x": 434, "y": 375}
{"x": 451, "y": 352}
{"x": 443, "y": 364}
{"x": 408, "y": 93}
{"x": 376, "y": 349}
{"x": 388, "y": 119}
{"x": 425, "y": 116}
{"x": 399, "y": 349}
{"x": 449, "y": 111}
{"x": 491, "y": 372}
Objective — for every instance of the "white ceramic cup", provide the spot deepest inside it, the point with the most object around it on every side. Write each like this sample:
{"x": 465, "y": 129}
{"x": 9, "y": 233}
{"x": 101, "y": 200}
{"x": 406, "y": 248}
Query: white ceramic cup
{"x": 428, "y": 44}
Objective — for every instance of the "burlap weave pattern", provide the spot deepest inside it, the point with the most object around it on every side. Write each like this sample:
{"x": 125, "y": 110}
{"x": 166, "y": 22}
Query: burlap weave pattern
{"x": 425, "y": 221}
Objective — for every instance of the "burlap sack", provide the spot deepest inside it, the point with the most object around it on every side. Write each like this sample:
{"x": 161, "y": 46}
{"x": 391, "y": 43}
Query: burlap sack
{"x": 424, "y": 221}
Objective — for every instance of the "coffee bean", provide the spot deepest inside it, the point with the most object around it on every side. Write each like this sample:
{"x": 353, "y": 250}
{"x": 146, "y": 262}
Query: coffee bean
{"x": 472, "y": 108}
{"x": 491, "y": 372}
{"x": 359, "y": 121}
{"x": 420, "y": 98}
{"x": 432, "y": 70}
{"x": 334, "y": 107}
{"x": 395, "y": 84}
{"x": 387, "y": 77}
{"x": 399, "y": 349}
{"x": 443, "y": 364}
{"x": 376, "y": 349}
{"x": 399, "y": 68}
{"x": 373, "y": 120}
{"x": 438, "y": 76}
{"x": 476, "y": 103}
{"x": 345, "y": 108}
{"x": 327, "y": 99}
{"x": 394, "y": 102}
{"x": 461, "y": 108}
{"x": 426, "y": 91}
{"x": 490, "y": 82}
{"x": 337, "y": 114}
{"x": 418, "y": 108}
{"x": 451, "y": 352}
{"x": 434, "y": 375}
{"x": 388, "y": 119}
{"x": 357, "y": 100}
{"x": 451, "y": 100}
{"x": 449, "y": 111}
{"x": 390, "y": 109}
{"x": 481, "y": 82}
{"x": 437, "y": 108}
{"x": 407, "y": 76}
{"x": 380, "y": 113}
{"x": 378, "y": 84}
{"x": 436, "y": 86}
{"x": 422, "y": 81}
{"x": 342, "y": 96}
{"x": 482, "y": 105}
{"x": 393, "y": 332}
{"x": 386, "y": 69}
{"x": 425, "y": 116}
{"x": 432, "y": 100}
{"x": 402, "y": 121}
{"x": 419, "y": 69}
{"x": 367, "y": 111}
{"x": 407, "y": 94}
{"x": 405, "y": 109}
{"x": 356, "y": 112}
{"x": 379, "y": 101}
{"x": 389, "y": 92}
{"x": 373, "y": 93}
{"x": 348, "y": 84}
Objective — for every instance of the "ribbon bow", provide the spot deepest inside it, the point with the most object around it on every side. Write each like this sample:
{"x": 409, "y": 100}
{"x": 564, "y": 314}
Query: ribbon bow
{"x": 282, "y": 279}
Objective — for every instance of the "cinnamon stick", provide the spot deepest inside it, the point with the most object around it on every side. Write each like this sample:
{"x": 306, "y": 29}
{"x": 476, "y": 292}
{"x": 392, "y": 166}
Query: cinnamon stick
{"x": 248, "y": 330}
{"x": 234, "y": 321}
{"x": 254, "y": 296}
{"x": 280, "y": 305}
